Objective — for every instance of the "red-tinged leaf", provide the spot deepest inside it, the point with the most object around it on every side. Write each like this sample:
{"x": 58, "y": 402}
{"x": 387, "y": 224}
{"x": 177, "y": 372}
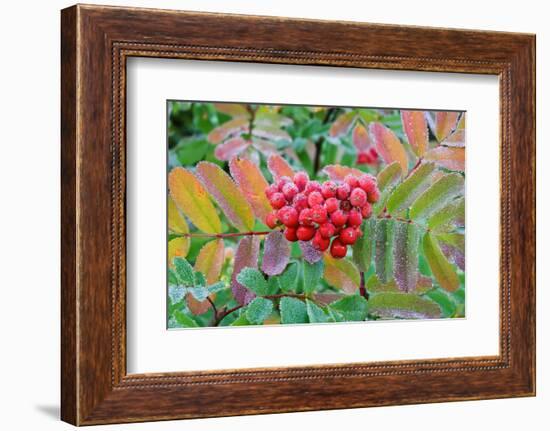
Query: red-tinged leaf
{"x": 176, "y": 221}
{"x": 276, "y": 253}
{"x": 339, "y": 172}
{"x": 452, "y": 158}
{"x": 232, "y": 202}
{"x": 360, "y": 138}
{"x": 210, "y": 260}
{"x": 341, "y": 274}
{"x": 272, "y": 119}
{"x": 246, "y": 256}
{"x": 445, "y": 122}
{"x": 279, "y": 167}
{"x": 271, "y": 133}
{"x": 192, "y": 199}
{"x": 416, "y": 129}
{"x": 252, "y": 183}
{"x": 388, "y": 146}
{"x": 195, "y": 306}
{"x": 342, "y": 124}
{"x": 232, "y": 127}
{"x": 178, "y": 247}
{"x": 231, "y": 148}
{"x": 264, "y": 146}
{"x": 458, "y": 137}
{"x": 391, "y": 305}
{"x": 405, "y": 254}
{"x": 310, "y": 253}
{"x": 232, "y": 109}
{"x": 454, "y": 255}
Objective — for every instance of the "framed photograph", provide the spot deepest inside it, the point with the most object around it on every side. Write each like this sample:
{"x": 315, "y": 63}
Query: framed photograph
{"x": 323, "y": 214}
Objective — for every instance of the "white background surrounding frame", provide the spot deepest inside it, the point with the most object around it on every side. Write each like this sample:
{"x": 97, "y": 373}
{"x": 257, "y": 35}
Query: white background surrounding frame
{"x": 152, "y": 348}
{"x": 33, "y": 165}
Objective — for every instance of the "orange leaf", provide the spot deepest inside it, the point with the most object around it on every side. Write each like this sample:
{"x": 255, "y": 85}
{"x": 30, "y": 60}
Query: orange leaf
{"x": 230, "y": 128}
{"x": 232, "y": 109}
{"x": 279, "y": 167}
{"x": 339, "y": 172}
{"x": 360, "y": 138}
{"x": 210, "y": 260}
{"x": 197, "y": 307}
{"x": 388, "y": 145}
{"x": 192, "y": 199}
{"x": 452, "y": 158}
{"x": 176, "y": 222}
{"x": 252, "y": 183}
{"x": 416, "y": 129}
{"x": 445, "y": 122}
{"x": 342, "y": 125}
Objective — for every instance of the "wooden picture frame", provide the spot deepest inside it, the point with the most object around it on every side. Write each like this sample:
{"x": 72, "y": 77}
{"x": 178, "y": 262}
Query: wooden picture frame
{"x": 96, "y": 41}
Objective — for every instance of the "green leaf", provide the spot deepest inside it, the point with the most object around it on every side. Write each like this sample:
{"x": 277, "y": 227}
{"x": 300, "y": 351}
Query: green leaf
{"x": 293, "y": 310}
{"x": 437, "y": 196}
{"x": 315, "y": 313}
{"x": 172, "y": 277}
{"x": 387, "y": 179}
{"x": 241, "y": 321}
{"x": 312, "y": 275}
{"x": 451, "y": 213}
{"x": 447, "y": 305}
{"x": 200, "y": 293}
{"x": 443, "y": 271}
{"x": 383, "y": 256}
{"x": 184, "y": 272}
{"x": 341, "y": 274}
{"x": 216, "y": 287}
{"x": 253, "y": 280}
{"x": 407, "y": 240}
{"x": 200, "y": 279}
{"x": 258, "y": 310}
{"x": 406, "y": 192}
{"x": 390, "y": 305}
{"x": 362, "y": 249}
{"x": 288, "y": 279}
{"x": 352, "y": 308}
{"x": 184, "y": 320}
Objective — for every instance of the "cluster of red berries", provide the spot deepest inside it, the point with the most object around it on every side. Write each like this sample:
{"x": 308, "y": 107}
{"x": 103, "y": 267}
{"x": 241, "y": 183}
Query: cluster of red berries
{"x": 368, "y": 157}
{"x": 321, "y": 213}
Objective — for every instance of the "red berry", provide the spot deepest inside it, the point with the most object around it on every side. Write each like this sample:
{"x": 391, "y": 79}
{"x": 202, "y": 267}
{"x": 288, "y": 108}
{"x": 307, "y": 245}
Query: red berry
{"x": 327, "y": 230}
{"x": 290, "y": 190}
{"x": 328, "y": 189}
{"x": 366, "y": 211}
{"x": 337, "y": 249}
{"x": 281, "y": 182}
{"x": 362, "y": 158}
{"x": 373, "y": 153}
{"x": 374, "y": 195}
{"x": 358, "y": 197}
{"x": 367, "y": 183}
{"x": 271, "y": 220}
{"x": 306, "y": 217}
{"x": 339, "y": 218}
{"x": 345, "y": 205}
{"x": 351, "y": 180}
{"x": 300, "y": 202}
{"x": 319, "y": 214}
{"x": 271, "y": 190}
{"x": 301, "y": 179}
{"x": 348, "y": 235}
{"x": 319, "y": 242}
{"x": 313, "y": 186}
{"x": 355, "y": 218}
{"x": 359, "y": 232}
{"x": 315, "y": 198}
{"x": 290, "y": 234}
{"x": 277, "y": 200}
{"x": 305, "y": 233}
{"x": 332, "y": 204}
{"x": 288, "y": 216}
{"x": 343, "y": 191}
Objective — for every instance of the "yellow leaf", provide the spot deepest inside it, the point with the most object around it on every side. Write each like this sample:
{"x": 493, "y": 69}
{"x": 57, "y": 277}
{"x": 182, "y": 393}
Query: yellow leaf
{"x": 341, "y": 273}
{"x": 192, "y": 199}
{"x": 177, "y": 247}
{"x": 176, "y": 222}
{"x": 210, "y": 260}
